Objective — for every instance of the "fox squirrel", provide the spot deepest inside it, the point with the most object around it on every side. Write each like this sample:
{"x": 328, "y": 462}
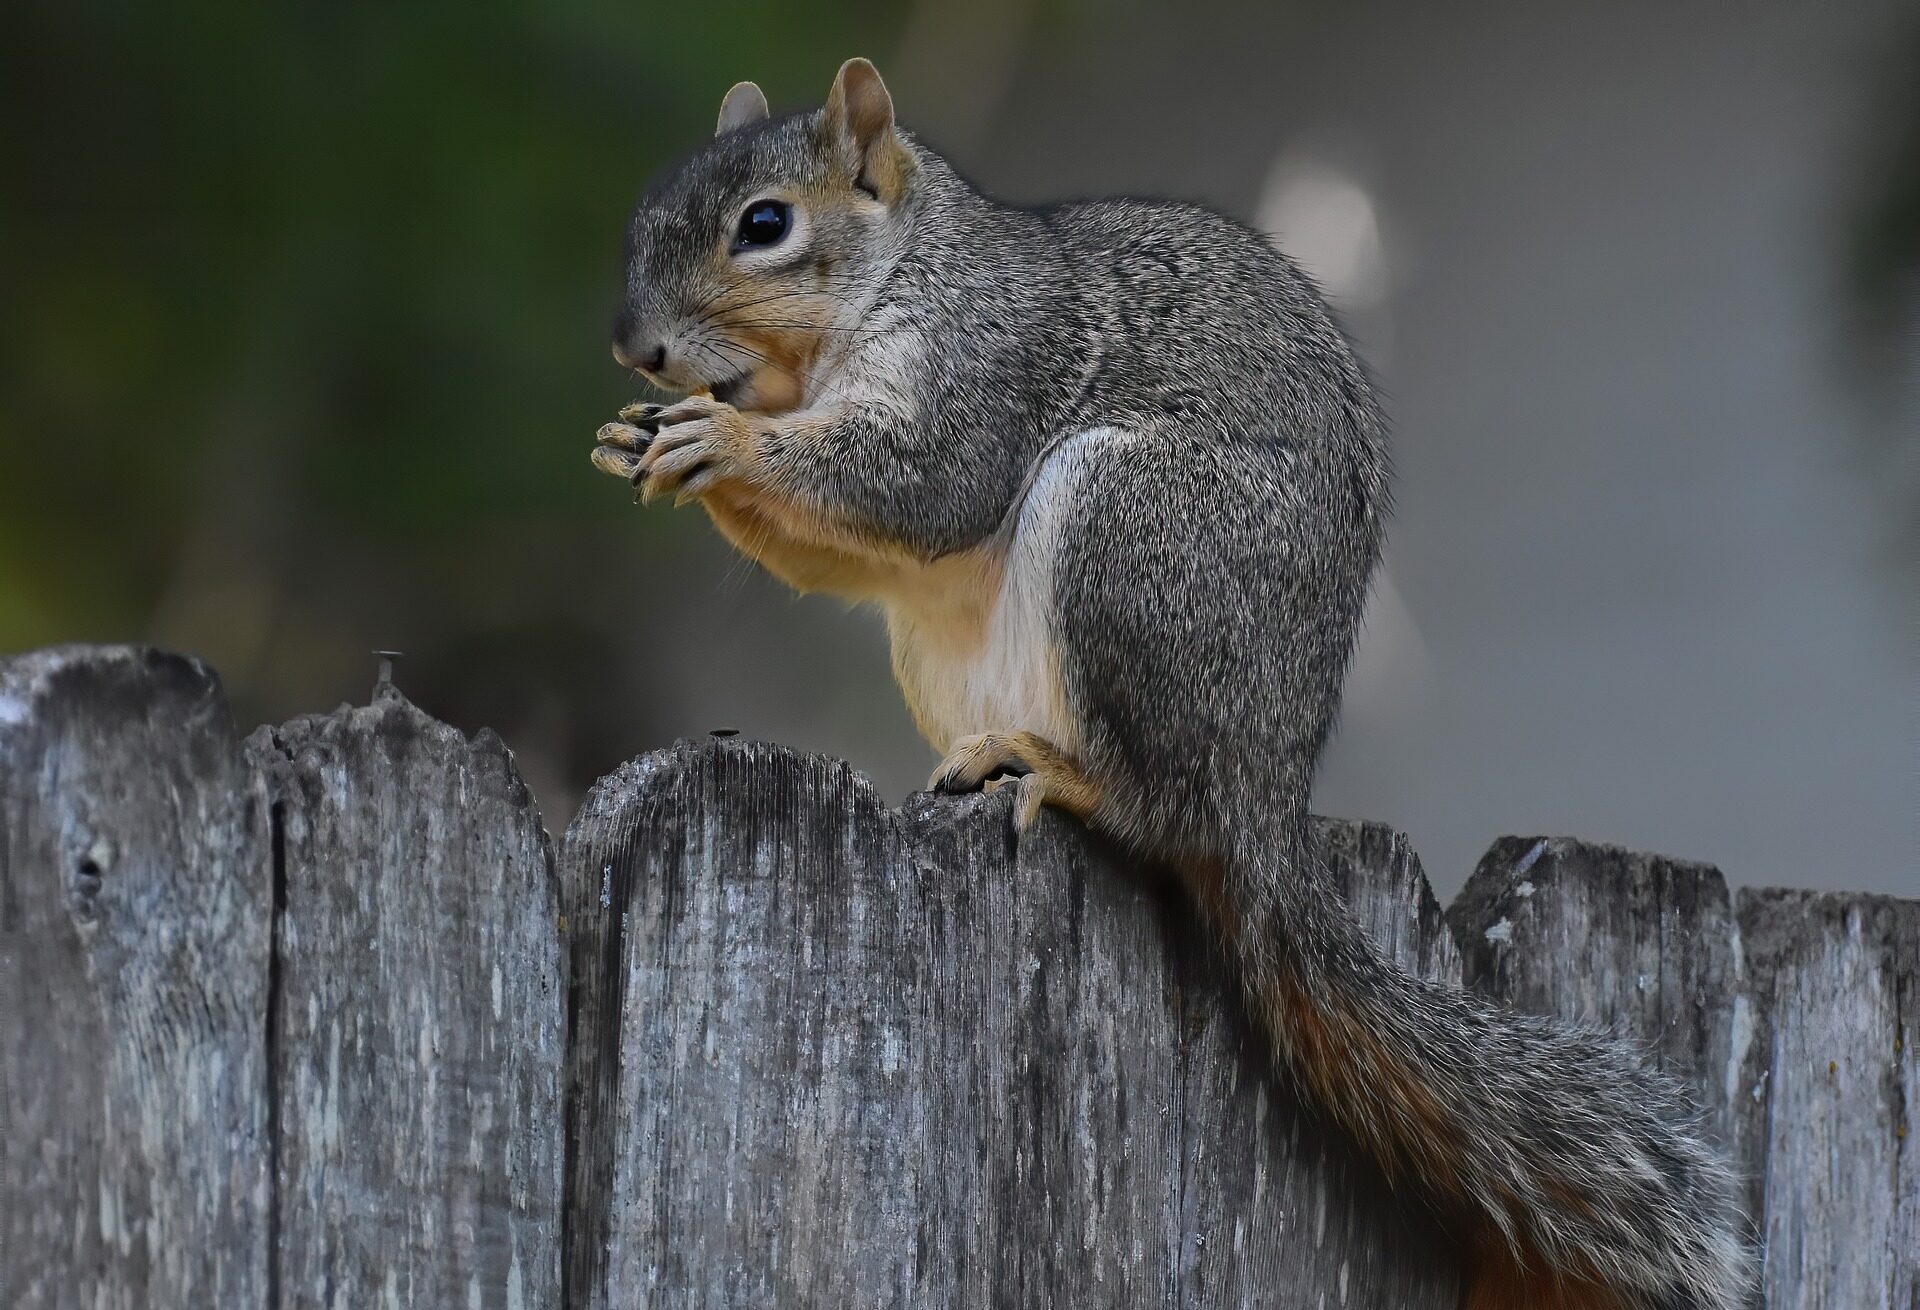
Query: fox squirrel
{"x": 1117, "y": 482}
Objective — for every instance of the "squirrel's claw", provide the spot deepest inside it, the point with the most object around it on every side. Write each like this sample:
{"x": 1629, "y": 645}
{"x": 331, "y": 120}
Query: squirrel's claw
{"x": 668, "y": 468}
{"x": 1039, "y": 771}
{"x": 684, "y": 449}
{"x": 692, "y": 409}
{"x": 643, "y": 416}
{"x": 975, "y": 759}
{"x": 619, "y": 451}
{"x": 624, "y": 435}
{"x": 615, "y": 460}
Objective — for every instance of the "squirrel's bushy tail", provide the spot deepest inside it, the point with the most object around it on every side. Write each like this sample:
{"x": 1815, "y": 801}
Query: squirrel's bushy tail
{"x": 1570, "y": 1168}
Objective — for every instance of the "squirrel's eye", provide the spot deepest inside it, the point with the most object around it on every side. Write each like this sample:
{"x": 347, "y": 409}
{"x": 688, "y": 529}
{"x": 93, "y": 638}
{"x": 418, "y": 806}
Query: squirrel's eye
{"x": 764, "y": 223}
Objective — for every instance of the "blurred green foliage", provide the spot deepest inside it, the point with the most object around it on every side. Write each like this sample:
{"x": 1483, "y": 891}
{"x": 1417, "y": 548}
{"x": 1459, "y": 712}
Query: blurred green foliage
{"x": 1885, "y": 249}
{"x": 305, "y": 311}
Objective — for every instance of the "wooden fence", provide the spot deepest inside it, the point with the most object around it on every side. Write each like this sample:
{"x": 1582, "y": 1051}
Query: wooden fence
{"x": 324, "y": 1018}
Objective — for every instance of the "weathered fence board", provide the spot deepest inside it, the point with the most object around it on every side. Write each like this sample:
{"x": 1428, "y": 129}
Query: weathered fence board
{"x": 877, "y": 1058}
{"x": 321, "y": 1021}
{"x": 1638, "y": 944}
{"x": 417, "y": 1016}
{"x": 1832, "y": 1083}
{"x": 135, "y": 906}
{"x": 1793, "y": 1024}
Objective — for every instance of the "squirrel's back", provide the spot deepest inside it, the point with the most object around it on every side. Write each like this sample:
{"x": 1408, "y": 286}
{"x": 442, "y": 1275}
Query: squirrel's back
{"x": 1209, "y": 320}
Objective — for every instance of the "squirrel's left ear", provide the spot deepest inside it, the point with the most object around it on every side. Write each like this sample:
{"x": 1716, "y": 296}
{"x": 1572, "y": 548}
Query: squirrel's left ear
{"x": 858, "y": 124}
{"x": 745, "y": 103}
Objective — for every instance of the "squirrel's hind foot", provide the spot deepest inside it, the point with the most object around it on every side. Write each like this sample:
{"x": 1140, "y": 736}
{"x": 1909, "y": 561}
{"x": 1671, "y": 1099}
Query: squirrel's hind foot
{"x": 1040, "y": 773}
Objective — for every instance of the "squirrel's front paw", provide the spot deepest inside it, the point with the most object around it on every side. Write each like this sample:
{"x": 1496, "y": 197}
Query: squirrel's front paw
{"x": 619, "y": 446}
{"x": 686, "y": 449}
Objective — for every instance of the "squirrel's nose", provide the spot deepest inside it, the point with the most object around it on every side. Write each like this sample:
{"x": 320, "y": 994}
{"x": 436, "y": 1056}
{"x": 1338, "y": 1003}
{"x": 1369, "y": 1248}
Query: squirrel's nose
{"x": 651, "y": 356}
{"x": 636, "y": 344}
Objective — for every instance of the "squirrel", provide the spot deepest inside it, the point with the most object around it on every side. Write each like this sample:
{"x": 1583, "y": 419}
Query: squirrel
{"x": 1117, "y": 482}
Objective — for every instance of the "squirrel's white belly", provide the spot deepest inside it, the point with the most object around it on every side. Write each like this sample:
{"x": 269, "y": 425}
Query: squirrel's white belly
{"x": 972, "y": 634}
{"x": 997, "y": 671}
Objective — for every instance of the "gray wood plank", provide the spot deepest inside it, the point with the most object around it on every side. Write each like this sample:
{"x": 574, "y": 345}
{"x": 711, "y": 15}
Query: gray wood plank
{"x": 1376, "y": 869}
{"x": 419, "y": 1016}
{"x": 1638, "y": 944}
{"x": 291, "y": 1024}
{"x": 875, "y": 1057}
{"x": 134, "y": 915}
{"x": 1830, "y": 1084}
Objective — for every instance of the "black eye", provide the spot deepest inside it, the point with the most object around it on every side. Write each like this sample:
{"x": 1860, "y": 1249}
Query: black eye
{"x": 764, "y": 223}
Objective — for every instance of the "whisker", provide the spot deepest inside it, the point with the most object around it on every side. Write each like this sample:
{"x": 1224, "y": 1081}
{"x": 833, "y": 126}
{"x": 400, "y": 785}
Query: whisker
{"x": 788, "y": 369}
{"x": 713, "y": 346}
{"x": 863, "y": 285}
{"x": 725, "y": 286}
{"x": 711, "y": 351}
{"x": 794, "y": 294}
{"x": 779, "y": 324}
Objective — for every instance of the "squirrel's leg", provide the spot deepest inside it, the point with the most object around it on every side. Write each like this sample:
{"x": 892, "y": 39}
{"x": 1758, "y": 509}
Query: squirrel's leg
{"x": 1042, "y": 773}
{"x": 846, "y": 480}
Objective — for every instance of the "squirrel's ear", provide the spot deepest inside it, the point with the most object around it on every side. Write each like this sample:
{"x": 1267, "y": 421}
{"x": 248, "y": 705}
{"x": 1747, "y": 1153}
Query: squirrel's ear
{"x": 744, "y": 104}
{"x": 858, "y": 123}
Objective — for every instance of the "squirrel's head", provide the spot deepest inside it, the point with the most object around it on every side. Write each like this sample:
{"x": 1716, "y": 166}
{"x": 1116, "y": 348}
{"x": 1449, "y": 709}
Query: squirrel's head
{"x": 746, "y": 262}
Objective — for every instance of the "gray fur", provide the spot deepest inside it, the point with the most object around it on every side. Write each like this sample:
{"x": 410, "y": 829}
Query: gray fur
{"x": 1207, "y": 589}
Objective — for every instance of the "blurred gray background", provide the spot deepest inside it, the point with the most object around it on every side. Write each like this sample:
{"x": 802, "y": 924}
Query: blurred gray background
{"x": 1638, "y": 281}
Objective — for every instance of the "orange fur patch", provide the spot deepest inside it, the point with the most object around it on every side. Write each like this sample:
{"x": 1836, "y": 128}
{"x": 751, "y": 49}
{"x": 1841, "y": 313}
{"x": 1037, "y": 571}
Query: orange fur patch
{"x": 1499, "y": 1282}
{"x": 777, "y": 327}
{"x": 1374, "y": 1092}
{"x": 783, "y": 382}
{"x": 776, "y": 537}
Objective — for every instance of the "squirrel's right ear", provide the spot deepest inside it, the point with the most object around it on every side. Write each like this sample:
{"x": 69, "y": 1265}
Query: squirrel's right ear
{"x": 857, "y": 123}
{"x": 744, "y": 104}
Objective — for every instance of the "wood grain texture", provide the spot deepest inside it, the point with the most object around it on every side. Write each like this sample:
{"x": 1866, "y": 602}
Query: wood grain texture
{"x": 1830, "y": 1086}
{"x": 1635, "y": 943}
{"x": 320, "y": 1021}
{"x": 1791, "y": 1020}
{"x": 417, "y": 1017}
{"x": 135, "y": 898}
{"x": 873, "y": 1057}
{"x": 1376, "y": 869}
{"x": 1639, "y": 945}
